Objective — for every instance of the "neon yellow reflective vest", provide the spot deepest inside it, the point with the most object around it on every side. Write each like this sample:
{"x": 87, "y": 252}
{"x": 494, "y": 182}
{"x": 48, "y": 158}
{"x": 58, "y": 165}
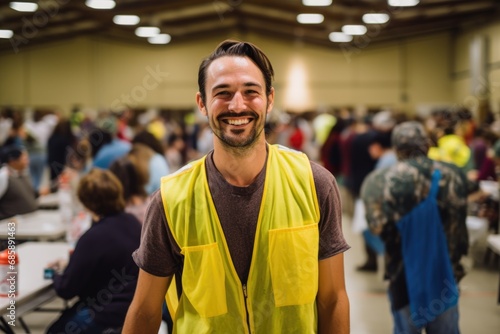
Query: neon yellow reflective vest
{"x": 280, "y": 295}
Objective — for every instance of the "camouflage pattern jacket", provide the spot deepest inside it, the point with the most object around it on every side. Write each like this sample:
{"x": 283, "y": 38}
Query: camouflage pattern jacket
{"x": 392, "y": 192}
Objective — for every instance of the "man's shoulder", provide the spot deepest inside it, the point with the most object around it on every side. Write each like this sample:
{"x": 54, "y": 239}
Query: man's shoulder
{"x": 323, "y": 178}
{"x": 456, "y": 180}
{"x": 403, "y": 176}
{"x": 320, "y": 172}
{"x": 448, "y": 168}
{"x": 399, "y": 177}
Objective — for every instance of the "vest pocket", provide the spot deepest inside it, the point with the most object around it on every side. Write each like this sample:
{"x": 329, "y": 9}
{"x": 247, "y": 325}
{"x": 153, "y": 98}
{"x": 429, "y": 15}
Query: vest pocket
{"x": 203, "y": 280}
{"x": 293, "y": 256}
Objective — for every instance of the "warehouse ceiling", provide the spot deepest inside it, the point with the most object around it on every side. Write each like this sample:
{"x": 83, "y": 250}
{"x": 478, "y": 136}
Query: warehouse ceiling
{"x": 191, "y": 20}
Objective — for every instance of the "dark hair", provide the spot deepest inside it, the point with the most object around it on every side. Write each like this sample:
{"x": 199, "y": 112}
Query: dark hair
{"x": 63, "y": 128}
{"x": 132, "y": 181}
{"x": 17, "y": 117}
{"x": 101, "y": 192}
{"x": 237, "y": 48}
{"x": 383, "y": 138}
{"x": 148, "y": 139}
{"x": 172, "y": 138}
{"x": 97, "y": 139}
{"x": 39, "y": 114}
{"x": 10, "y": 152}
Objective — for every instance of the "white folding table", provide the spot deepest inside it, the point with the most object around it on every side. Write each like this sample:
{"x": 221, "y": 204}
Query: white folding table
{"x": 33, "y": 289}
{"x": 42, "y": 225}
{"x": 49, "y": 201}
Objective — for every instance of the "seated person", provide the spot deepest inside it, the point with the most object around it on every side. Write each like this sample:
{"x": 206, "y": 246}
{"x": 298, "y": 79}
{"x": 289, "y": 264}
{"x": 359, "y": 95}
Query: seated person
{"x": 134, "y": 178}
{"x": 101, "y": 271}
{"x": 17, "y": 195}
{"x": 133, "y": 181}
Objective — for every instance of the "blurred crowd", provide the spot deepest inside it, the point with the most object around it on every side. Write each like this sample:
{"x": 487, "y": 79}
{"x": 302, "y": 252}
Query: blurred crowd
{"x": 140, "y": 147}
{"x": 87, "y": 152}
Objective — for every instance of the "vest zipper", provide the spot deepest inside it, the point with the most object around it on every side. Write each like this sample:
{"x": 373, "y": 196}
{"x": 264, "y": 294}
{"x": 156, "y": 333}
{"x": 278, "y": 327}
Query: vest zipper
{"x": 245, "y": 294}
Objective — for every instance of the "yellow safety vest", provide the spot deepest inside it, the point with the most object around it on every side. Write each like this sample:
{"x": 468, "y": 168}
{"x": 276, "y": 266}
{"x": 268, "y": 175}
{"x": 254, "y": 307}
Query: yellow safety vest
{"x": 280, "y": 295}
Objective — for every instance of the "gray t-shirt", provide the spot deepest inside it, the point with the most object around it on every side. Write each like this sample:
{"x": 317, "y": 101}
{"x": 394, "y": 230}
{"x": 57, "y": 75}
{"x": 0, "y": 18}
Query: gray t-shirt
{"x": 160, "y": 255}
{"x": 19, "y": 197}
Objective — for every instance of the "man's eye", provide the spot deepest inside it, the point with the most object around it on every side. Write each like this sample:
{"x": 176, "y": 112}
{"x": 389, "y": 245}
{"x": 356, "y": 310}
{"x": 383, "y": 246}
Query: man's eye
{"x": 253, "y": 92}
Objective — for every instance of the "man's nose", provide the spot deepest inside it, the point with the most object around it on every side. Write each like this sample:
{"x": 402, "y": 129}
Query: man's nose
{"x": 237, "y": 103}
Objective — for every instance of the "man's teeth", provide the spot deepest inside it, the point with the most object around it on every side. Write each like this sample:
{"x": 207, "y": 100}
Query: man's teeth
{"x": 238, "y": 121}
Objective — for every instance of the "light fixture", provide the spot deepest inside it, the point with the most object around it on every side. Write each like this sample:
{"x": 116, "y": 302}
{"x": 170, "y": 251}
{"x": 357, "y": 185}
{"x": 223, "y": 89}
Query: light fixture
{"x": 374, "y": 18}
{"x": 100, "y": 4}
{"x": 23, "y": 6}
{"x": 126, "y": 20}
{"x": 403, "y": 3}
{"x": 6, "y": 33}
{"x": 147, "y": 31}
{"x": 354, "y": 29}
{"x": 160, "y": 39}
{"x": 317, "y": 2}
{"x": 310, "y": 18}
{"x": 339, "y": 37}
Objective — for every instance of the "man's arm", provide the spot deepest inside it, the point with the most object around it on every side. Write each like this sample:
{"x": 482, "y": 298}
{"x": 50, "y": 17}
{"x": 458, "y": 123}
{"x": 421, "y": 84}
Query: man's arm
{"x": 332, "y": 300}
{"x": 144, "y": 313}
{"x": 372, "y": 194}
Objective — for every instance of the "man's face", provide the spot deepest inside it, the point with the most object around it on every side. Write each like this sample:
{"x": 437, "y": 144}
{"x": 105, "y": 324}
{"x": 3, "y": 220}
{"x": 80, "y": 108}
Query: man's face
{"x": 236, "y": 103}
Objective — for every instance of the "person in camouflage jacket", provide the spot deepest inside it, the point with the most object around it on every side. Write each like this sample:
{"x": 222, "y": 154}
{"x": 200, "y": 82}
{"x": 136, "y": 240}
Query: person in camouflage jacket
{"x": 391, "y": 193}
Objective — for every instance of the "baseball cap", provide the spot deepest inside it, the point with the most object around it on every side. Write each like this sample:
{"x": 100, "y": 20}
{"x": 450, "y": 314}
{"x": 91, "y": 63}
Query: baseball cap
{"x": 410, "y": 136}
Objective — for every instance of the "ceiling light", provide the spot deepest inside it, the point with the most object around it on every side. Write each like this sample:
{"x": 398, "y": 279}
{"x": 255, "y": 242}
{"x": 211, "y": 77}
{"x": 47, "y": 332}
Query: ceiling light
{"x": 310, "y": 18}
{"x": 339, "y": 37}
{"x": 100, "y": 4}
{"x": 6, "y": 33}
{"x": 403, "y": 3}
{"x": 160, "y": 39}
{"x": 126, "y": 20}
{"x": 354, "y": 29}
{"x": 23, "y": 6}
{"x": 147, "y": 31}
{"x": 373, "y": 18}
{"x": 316, "y": 2}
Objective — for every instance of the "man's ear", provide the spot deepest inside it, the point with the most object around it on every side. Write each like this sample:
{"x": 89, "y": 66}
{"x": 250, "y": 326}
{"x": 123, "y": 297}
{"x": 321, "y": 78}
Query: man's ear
{"x": 270, "y": 101}
{"x": 201, "y": 105}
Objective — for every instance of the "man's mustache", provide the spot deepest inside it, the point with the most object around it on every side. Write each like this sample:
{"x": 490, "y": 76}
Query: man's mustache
{"x": 238, "y": 114}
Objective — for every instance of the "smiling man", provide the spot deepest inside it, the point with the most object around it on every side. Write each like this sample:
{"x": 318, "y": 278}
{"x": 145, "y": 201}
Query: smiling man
{"x": 251, "y": 232}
